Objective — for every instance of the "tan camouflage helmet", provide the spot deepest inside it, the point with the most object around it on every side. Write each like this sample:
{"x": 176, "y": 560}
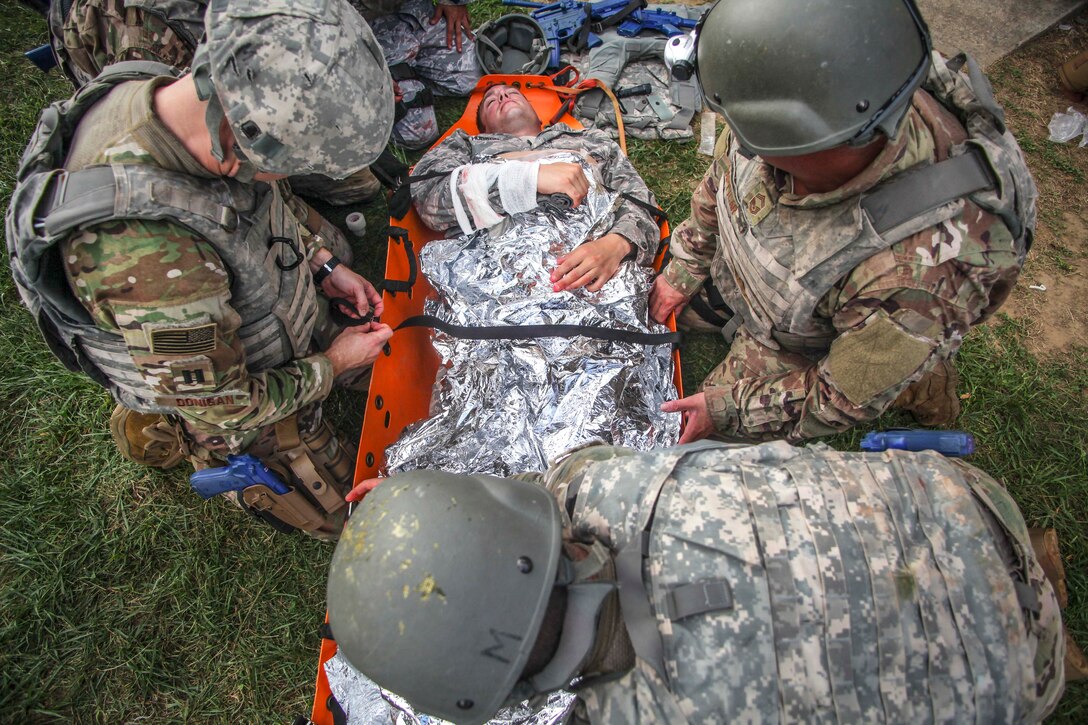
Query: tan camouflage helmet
{"x": 302, "y": 83}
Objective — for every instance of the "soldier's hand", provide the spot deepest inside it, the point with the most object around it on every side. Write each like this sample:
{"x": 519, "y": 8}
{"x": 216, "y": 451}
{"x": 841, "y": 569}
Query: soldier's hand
{"x": 695, "y": 417}
{"x": 347, "y": 284}
{"x": 665, "y": 300}
{"x": 592, "y": 264}
{"x": 562, "y": 178}
{"x": 362, "y": 489}
{"x": 357, "y": 347}
{"x": 457, "y": 22}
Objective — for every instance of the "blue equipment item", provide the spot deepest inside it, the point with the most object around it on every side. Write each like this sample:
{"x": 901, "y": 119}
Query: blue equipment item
{"x": 43, "y": 57}
{"x": 240, "y": 473}
{"x": 563, "y": 21}
{"x": 663, "y": 21}
{"x": 951, "y": 443}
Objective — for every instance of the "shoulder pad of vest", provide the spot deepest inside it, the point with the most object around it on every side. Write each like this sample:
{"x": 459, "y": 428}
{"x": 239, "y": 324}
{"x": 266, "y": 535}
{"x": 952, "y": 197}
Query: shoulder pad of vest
{"x": 129, "y": 70}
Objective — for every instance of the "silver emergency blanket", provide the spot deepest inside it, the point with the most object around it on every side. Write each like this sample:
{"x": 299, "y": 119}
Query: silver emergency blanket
{"x": 509, "y": 406}
{"x": 364, "y": 703}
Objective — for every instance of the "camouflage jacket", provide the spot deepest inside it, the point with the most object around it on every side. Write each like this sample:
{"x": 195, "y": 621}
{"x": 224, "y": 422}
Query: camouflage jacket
{"x": 434, "y": 201}
{"x": 95, "y": 33}
{"x": 138, "y": 276}
{"x": 805, "y": 584}
{"x": 887, "y": 321}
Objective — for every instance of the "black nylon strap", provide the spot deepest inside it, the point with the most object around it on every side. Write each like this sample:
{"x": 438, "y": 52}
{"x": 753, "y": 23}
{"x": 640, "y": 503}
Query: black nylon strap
{"x": 658, "y": 214}
{"x": 420, "y": 100}
{"x": 620, "y": 16}
{"x": 400, "y": 236}
{"x": 706, "y": 312}
{"x": 528, "y": 332}
{"x": 699, "y": 598}
{"x": 402, "y": 72}
{"x": 913, "y": 193}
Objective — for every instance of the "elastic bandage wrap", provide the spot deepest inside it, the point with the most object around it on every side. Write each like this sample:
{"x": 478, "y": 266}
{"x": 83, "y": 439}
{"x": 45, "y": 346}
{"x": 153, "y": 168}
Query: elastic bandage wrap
{"x": 471, "y": 184}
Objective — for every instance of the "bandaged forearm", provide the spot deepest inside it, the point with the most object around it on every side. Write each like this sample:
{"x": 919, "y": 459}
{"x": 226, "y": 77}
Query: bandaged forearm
{"x": 471, "y": 187}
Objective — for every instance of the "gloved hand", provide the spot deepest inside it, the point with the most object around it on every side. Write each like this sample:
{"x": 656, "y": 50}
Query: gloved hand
{"x": 149, "y": 439}
{"x": 933, "y": 400}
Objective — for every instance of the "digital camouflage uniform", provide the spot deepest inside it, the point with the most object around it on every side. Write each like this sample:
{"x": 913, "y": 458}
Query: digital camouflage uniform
{"x": 882, "y": 325}
{"x": 96, "y": 33}
{"x": 420, "y": 62}
{"x": 843, "y": 587}
{"x": 434, "y": 201}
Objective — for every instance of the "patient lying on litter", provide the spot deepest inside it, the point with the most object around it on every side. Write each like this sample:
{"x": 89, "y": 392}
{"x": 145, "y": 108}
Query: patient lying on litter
{"x": 530, "y": 265}
{"x": 478, "y": 193}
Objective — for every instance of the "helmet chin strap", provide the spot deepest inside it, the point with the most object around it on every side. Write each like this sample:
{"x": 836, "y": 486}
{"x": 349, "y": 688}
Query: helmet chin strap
{"x": 579, "y": 634}
{"x": 247, "y": 171}
{"x": 213, "y": 119}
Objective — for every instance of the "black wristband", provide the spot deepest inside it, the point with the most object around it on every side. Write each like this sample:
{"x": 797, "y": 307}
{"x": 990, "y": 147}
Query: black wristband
{"x": 326, "y": 269}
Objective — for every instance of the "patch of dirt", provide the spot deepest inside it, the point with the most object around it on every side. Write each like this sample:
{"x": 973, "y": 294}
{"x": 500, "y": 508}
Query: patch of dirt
{"x": 1026, "y": 84}
{"x": 1058, "y": 314}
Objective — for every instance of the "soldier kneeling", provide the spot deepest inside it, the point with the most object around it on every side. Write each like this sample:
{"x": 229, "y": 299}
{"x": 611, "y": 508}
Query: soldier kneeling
{"x": 704, "y": 583}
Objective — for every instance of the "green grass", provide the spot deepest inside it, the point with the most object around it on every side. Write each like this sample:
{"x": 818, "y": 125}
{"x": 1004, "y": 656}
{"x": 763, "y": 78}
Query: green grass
{"x": 126, "y": 597}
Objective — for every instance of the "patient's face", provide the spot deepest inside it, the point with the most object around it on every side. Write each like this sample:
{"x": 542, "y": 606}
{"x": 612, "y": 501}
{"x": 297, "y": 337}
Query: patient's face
{"x": 504, "y": 110}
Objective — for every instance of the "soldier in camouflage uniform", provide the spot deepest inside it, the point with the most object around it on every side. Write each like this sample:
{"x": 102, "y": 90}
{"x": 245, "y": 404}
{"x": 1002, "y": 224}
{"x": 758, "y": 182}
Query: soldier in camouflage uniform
{"x": 499, "y": 172}
{"x": 852, "y": 279}
{"x": 428, "y": 46}
{"x": 706, "y": 583}
{"x": 161, "y": 254}
{"x": 88, "y": 35}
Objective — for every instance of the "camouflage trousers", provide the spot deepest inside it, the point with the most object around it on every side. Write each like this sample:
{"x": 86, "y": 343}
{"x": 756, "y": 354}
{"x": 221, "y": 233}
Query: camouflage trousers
{"x": 422, "y": 65}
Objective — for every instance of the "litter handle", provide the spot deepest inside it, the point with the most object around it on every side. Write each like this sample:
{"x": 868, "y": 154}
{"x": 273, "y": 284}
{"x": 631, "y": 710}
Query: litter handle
{"x": 240, "y": 473}
{"x": 951, "y": 443}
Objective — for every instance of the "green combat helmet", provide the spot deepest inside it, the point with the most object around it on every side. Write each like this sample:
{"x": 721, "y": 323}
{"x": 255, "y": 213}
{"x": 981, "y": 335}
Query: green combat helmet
{"x": 461, "y": 567}
{"x": 303, "y": 85}
{"x": 513, "y": 44}
{"x": 793, "y": 77}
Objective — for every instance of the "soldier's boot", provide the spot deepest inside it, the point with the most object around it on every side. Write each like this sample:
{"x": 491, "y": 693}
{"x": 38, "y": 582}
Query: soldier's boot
{"x": 149, "y": 439}
{"x": 933, "y": 400}
{"x": 359, "y": 188}
{"x": 1044, "y": 542}
{"x": 1073, "y": 74}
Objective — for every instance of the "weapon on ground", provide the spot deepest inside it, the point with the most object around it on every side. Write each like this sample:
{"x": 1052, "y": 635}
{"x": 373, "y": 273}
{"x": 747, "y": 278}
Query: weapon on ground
{"x": 952, "y": 443}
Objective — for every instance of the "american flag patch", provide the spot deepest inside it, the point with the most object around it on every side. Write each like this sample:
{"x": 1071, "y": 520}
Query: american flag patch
{"x": 184, "y": 340}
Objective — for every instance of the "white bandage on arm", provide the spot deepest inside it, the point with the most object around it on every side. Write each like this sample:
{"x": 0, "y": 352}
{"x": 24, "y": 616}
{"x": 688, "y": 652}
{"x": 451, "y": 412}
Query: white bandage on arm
{"x": 473, "y": 182}
{"x": 458, "y": 207}
{"x": 517, "y": 185}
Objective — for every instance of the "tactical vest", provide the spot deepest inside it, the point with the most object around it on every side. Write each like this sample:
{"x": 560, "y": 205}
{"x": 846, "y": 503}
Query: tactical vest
{"x": 249, "y": 226}
{"x": 776, "y": 270}
{"x": 809, "y": 585}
